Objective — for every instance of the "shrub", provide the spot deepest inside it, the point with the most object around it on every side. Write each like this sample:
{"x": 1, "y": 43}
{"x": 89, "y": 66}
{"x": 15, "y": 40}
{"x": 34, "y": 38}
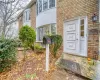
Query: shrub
{"x": 57, "y": 42}
{"x": 7, "y": 54}
{"x": 27, "y": 35}
{"x": 38, "y": 48}
{"x": 19, "y": 43}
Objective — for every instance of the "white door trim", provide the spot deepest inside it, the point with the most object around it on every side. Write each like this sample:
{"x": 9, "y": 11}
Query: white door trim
{"x": 86, "y": 35}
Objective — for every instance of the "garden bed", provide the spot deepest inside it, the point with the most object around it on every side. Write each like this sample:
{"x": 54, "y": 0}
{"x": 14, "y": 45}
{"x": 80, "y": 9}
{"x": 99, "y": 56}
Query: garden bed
{"x": 33, "y": 68}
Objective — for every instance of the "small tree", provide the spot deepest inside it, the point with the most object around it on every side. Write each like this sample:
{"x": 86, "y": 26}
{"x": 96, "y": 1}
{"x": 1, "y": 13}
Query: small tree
{"x": 28, "y": 36}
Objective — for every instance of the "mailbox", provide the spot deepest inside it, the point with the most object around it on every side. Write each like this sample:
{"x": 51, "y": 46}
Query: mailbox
{"x": 47, "y": 40}
{"x": 52, "y": 41}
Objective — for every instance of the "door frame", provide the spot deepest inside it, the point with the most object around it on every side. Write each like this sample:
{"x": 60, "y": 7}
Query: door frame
{"x": 86, "y": 35}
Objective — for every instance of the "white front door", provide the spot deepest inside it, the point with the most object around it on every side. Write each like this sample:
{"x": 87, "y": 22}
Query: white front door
{"x": 75, "y": 37}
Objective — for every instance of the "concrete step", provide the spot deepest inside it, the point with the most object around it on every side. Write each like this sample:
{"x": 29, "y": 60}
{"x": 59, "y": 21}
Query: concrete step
{"x": 61, "y": 74}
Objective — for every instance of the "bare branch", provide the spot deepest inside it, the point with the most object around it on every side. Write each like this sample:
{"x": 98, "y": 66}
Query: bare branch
{"x": 8, "y": 12}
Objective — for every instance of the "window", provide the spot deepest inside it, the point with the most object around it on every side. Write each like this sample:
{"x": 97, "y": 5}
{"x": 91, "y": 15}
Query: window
{"x": 53, "y": 29}
{"x": 51, "y": 3}
{"x": 45, "y": 4}
{"x": 40, "y": 6}
{"x": 37, "y": 7}
{"x": 40, "y": 31}
{"x": 82, "y": 28}
{"x": 26, "y": 16}
{"x": 46, "y": 30}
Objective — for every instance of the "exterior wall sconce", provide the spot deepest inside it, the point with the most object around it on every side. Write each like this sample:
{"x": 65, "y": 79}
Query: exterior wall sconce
{"x": 94, "y": 18}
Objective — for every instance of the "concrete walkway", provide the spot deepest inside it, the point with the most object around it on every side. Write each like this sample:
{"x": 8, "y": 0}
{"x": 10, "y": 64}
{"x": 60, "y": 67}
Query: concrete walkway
{"x": 61, "y": 74}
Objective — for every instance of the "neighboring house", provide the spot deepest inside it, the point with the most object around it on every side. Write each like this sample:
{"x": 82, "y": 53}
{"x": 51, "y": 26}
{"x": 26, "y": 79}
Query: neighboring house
{"x": 12, "y": 30}
{"x": 73, "y": 19}
{"x": 28, "y": 15}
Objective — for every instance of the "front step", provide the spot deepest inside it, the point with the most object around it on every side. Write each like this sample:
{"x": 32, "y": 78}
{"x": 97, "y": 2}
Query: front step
{"x": 61, "y": 74}
{"x": 82, "y": 67}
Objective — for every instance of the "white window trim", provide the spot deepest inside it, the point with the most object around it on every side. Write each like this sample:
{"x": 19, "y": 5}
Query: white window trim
{"x": 28, "y": 15}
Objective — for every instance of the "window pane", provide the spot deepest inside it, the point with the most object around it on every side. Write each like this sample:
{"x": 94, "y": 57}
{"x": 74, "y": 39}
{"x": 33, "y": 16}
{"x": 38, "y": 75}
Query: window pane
{"x": 82, "y": 22}
{"x": 82, "y": 33}
{"x": 82, "y": 28}
{"x": 40, "y": 6}
{"x": 51, "y": 3}
{"x": 28, "y": 15}
{"x": 45, "y": 4}
{"x": 53, "y": 29}
{"x": 37, "y": 7}
{"x": 40, "y": 31}
{"x": 46, "y": 30}
{"x": 24, "y": 18}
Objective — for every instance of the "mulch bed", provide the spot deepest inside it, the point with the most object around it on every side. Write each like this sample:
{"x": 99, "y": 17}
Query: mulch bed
{"x": 33, "y": 68}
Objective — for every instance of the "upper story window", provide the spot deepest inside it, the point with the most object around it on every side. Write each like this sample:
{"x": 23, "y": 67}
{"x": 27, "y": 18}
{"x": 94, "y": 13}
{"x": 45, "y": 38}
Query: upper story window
{"x": 40, "y": 6}
{"x": 43, "y": 5}
{"x": 51, "y": 3}
{"x": 26, "y": 16}
{"x": 37, "y": 8}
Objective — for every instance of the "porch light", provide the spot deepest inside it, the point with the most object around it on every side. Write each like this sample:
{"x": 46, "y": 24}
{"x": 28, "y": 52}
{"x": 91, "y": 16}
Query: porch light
{"x": 94, "y": 18}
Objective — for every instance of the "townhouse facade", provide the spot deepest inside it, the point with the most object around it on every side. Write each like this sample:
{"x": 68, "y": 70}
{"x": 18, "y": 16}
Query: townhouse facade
{"x": 78, "y": 23}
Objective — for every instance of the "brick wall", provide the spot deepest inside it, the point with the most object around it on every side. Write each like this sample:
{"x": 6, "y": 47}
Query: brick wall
{"x": 33, "y": 16}
{"x": 69, "y": 9}
{"x": 20, "y": 21}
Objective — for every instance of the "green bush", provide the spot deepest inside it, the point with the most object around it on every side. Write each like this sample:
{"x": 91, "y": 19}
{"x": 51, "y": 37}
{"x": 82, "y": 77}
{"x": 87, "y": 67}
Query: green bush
{"x": 7, "y": 54}
{"x": 57, "y": 42}
{"x": 27, "y": 35}
{"x": 19, "y": 43}
{"x": 38, "y": 48}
